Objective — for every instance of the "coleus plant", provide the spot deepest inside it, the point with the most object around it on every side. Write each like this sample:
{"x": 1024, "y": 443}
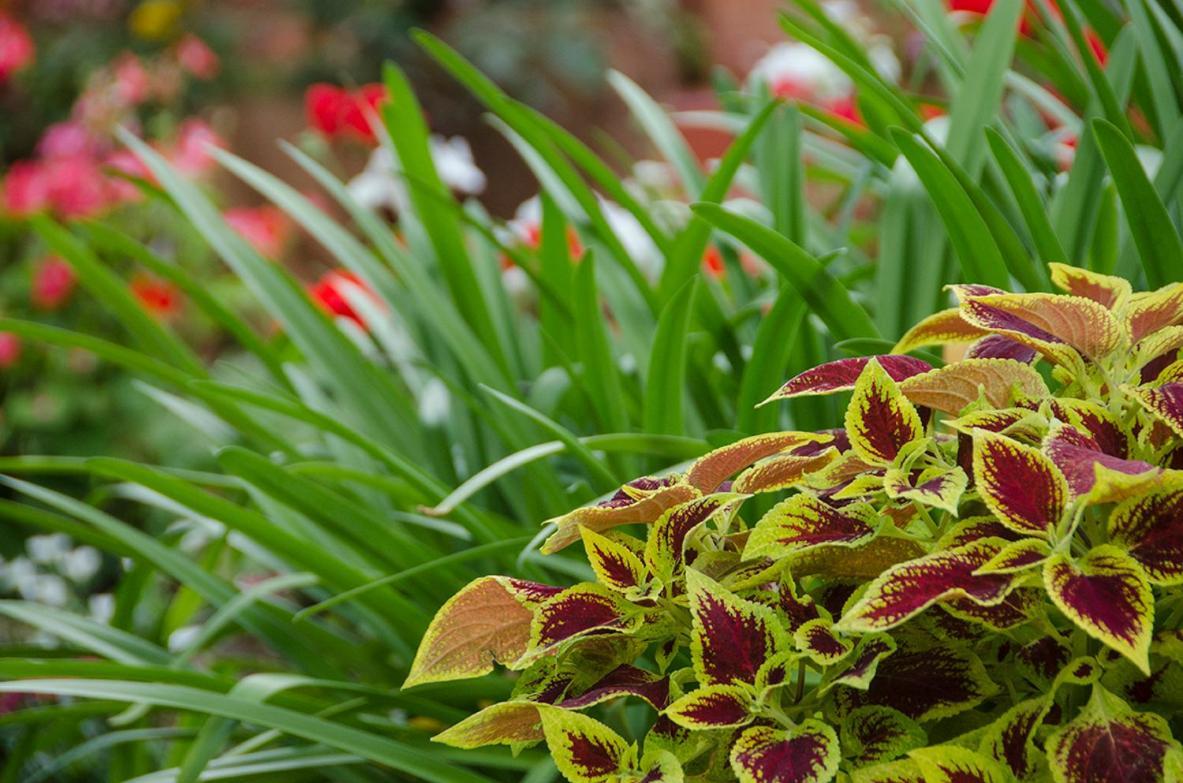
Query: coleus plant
{"x": 973, "y": 580}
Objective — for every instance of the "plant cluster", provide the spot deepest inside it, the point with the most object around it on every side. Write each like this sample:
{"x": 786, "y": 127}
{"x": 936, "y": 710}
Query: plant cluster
{"x": 973, "y": 580}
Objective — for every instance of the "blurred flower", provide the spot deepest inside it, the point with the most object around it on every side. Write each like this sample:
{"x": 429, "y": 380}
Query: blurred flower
{"x": 337, "y": 112}
{"x": 102, "y": 607}
{"x": 797, "y": 71}
{"x": 80, "y": 564}
{"x": 329, "y": 293}
{"x": 379, "y": 186}
{"x": 63, "y": 139}
{"x": 16, "y": 47}
{"x": 133, "y": 85}
{"x": 266, "y": 228}
{"x": 190, "y": 153}
{"x": 195, "y": 56}
{"x": 46, "y": 549}
{"x": 25, "y": 189}
{"x": 125, "y": 162}
{"x": 154, "y": 20}
{"x": 526, "y": 227}
{"x": 10, "y": 349}
{"x": 159, "y": 297}
{"x": 712, "y": 262}
{"x": 53, "y": 282}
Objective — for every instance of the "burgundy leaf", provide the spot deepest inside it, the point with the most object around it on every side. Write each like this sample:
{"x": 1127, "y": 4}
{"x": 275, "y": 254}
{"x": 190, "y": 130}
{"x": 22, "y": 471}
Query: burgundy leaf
{"x": 841, "y": 374}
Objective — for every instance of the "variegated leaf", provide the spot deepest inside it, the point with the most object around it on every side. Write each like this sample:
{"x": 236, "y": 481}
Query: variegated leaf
{"x": 1014, "y": 610}
{"x": 657, "y": 766}
{"x": 1017, "y": 556}
{"x": 1108, "y": 291}
{"x": 865, "y": 561}
{"x": 1107, "y": 595}
{"x": 944, "y": 328}
{"x": 1019, "y": 484}
{"x": 665, "y": 548}
{"x": 640, "y": 501}
{"x": 713, "y": 468}
{"x": 842, "y": 374}
{"x": 804, "y": 522}
{"x": 874, "y": 734}
{"x": 714, "y": 707}
{"x": 905, "y": 590}
{"x": 966, "y": 291}
{"x": 936, "y": 487}
{"x": 952, "y": 388}
{"x": 1150, "y": 528}
{"x": 865, "y": 662}
{"x": 1010, "y": 740}
{"x": 1165, "y": 402}
{"x": 1044, "y": 320}
{"x": 879, "y": 419}
{"x": 903, "y": 771}
{"x": 1149, "y": 311}
{"x": 1108, "y": 741}
{"x": 507, "y": 723}
{"x": 926, "y": 683}
{"x": 806, "y": 753}
{"x": 782, "y": 471}
{"x": 816, "y": 638}
{"x": 624, "y": 680}
{"x": 1078, "y": 455}
{"x": 953, "y": 764}
{"x": 614, "y": 564}
{"x": 999, "y": 346}
{"x": 584, "y": 750}
{"x": 487, "y": 622}
{"x": 730, "y": 636}
{"x": 578, "y": 611}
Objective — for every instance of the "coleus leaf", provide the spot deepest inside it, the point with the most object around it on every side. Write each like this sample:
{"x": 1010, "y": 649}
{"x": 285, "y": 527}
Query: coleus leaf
{"x": 624, "y": 680}
{"x": 1024, "y": 488}
{"x": 506, "y": 723}
{"x": 936, "y": 487}
{"x": 487, "y": 622}
{"x": 803, "y": 522}
{"x": 903, "y": 771}
{"x": 954, "y": 764}
{"x": 1108, "y": 291}
{"x": 657, "y": 766}
{"x": 1150, "y": 529}
{"x": 843, "y": 374}
{"x": 796, "y": 607}
{"x": 584, "y": 750}
{"x": 613, "y": 563}
{"x": 864, "y": 561}
{"x": 865, "y": 662}
{"x": 781, "y": 472}
{"x": 944, "y": 328}
{"x": 711, "y": 469}
{"x": 816, "y": 638}
{"x": 1014, "y": 610}
{"x": 1078, "y": 455}
{"x": 714, "y": 707}
{"x": 640, "y": 501}
{"x": 1111, "y": 742}
{"x": 1044, "y": 320}
{"x": 1149, "y": 311}
{"x": 806, "y": 753}
{"x": 665, "y": 549}
{"x": 579, "y": 611}
{"x": 950, "y": 389}
{"x": 879, "y": 419}
{"x": 999, "y": 346}
{"x": 1010, "y": 740}
{"x": 874, "y": 734}
{"x": 926, "y": 683}
{"x": 1107, "y": 595}
{"x": 730, "y": 636}
{"x": 1165, "y": 402}
{"x": 905, "y": 590}
{"x": 1016, "y": 556}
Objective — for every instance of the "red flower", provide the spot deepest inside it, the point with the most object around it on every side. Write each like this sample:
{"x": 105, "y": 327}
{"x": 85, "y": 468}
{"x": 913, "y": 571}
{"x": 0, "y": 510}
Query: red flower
{"x": 328, "y": 292}
{"x": 266, "y": 228}
{"x": 53, "y": 282}
{"x": 197, "y": 58}
{"x": 159, "y": 297}
{"x": 16, "y": 47}
{"x": 10, "y": 349}
{"x": 337, "y": 112}
{"x": 25, "y": 188}
{"x": 712, "y": 262}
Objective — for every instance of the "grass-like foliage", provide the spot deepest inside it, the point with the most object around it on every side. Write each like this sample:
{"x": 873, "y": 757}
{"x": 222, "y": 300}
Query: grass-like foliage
{"x": 974, "y": 529}
{"x": 974, "y": 579}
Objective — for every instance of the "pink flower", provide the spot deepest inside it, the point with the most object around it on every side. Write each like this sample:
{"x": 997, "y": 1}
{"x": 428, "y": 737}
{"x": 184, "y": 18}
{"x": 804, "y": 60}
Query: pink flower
{"x": 53, "y": 282}
{"x": 10, "y": 349}
{"x": 190, "y": 152}
{"x": 125, "y": 162}
{"x": 77, "y": 186}
{"x": 197, "y": 58}
{"x": 16, "y": 47}
{"x": 337, "y": 112}
{"x": 133, "y": 85}
{"x": 266, "y": 228}
{"x": 26, "y": 189}
{"x": 63, "y": 139}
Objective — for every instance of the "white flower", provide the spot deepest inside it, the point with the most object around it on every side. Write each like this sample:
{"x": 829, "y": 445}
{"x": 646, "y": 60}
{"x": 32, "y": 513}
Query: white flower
{"x": 102, "y": 607}
{"x": 379, "y": 184}
{"x": 636, "y": 241}
{"x": 80, "y": 564}
{"x": 48, "y": 589}
{"x": 48, "y": 548}
{"x": 434, "y": 402}
{"x": 791, "y": 68}
{"x": 183, "y": 638}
